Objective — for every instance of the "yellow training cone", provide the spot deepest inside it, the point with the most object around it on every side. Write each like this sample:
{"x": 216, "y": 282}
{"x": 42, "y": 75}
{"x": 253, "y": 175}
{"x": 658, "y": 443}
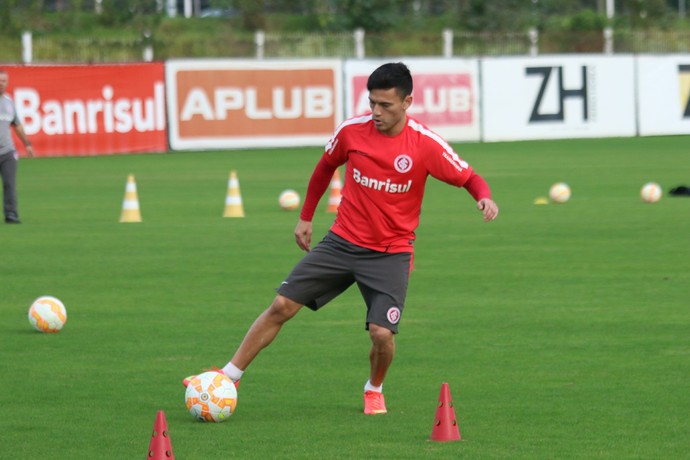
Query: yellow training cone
{"x": 233, "y": 200}
{"x": 130, "y": 205}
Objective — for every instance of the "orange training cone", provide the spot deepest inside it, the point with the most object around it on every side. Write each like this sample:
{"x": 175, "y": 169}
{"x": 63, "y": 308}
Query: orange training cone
{"x": 334, "y": 198}
{"x": 160, "y": 446}
{"x": 130, "y": 205}
{"x": 445, "y": 424}
{"x": 233, "y": 200}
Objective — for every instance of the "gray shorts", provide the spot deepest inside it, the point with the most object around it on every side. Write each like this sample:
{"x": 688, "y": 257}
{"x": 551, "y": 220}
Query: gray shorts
{"x": 335, "y": 264}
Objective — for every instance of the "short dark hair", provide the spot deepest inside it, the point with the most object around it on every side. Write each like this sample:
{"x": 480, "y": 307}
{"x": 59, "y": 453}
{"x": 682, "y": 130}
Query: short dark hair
{"x": 392, "y": 75}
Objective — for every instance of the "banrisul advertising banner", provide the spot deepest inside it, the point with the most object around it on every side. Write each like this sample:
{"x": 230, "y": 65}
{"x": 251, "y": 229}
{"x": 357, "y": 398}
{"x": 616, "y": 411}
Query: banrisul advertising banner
{"x": 663, "y": 94}
{"x": 551, "y": 97}
{"x": 217, "y": 104}
{"x": 445, "y": 94}
{"x": 75, "y": 110}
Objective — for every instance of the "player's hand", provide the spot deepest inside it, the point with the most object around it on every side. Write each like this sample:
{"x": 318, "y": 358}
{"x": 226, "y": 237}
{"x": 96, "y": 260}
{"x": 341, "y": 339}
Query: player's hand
{"x": 489, "y": 208}
{"x": 30, "y": 151}
{"x": 303, "y": 235}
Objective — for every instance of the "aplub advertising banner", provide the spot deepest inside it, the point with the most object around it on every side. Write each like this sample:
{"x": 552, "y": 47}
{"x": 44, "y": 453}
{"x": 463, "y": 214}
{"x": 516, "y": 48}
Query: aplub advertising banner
{"x": 75, "y": 110}
{"x": 445, "y": 94}
{"x": 252, "y": 103}
{"x": 663, "y": 93}
{"x": 552, "y": 97}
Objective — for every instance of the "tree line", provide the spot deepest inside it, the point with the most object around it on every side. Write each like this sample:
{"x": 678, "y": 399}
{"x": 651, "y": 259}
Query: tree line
{"x": 340, "y": 15}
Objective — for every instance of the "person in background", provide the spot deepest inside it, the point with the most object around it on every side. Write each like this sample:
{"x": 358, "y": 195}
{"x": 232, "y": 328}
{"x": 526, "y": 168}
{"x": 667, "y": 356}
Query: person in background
{"x": 9, "y": 157}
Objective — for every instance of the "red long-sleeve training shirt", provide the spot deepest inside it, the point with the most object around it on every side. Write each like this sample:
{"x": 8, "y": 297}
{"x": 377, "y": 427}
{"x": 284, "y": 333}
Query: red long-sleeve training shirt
{"x": 384, "y": 181}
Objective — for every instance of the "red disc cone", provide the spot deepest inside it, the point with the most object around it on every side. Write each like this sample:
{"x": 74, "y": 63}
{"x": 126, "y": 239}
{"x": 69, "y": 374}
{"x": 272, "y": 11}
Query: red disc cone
{"x": 445, "y": 424}
{"x": 160, "y": 447}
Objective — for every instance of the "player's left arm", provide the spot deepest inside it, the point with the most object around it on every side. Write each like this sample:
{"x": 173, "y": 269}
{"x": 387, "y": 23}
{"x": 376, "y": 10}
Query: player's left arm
{"x": 21, "y": 134}
{"x": 480, "y": 191}
{"x": 448, "y": 167}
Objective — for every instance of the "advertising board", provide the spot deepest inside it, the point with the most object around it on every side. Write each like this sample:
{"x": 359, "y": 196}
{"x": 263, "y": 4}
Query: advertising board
{"x": 77, "y": 110}
{"x": 218, "y": 104}
{"x": 663, "y": 94}
{"x": 552, "y": 97}
{"x": 446, "y": 93}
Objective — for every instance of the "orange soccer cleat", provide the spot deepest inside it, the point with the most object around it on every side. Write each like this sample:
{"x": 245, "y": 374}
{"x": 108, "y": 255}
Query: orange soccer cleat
{"x": 374, "y": 404}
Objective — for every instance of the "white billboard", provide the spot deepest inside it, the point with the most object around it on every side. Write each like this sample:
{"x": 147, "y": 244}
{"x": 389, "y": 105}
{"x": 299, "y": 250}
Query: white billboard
{"x": 552, "y": 97}
{"x": 663, "y": 94}
{"x": 445, "y": 94}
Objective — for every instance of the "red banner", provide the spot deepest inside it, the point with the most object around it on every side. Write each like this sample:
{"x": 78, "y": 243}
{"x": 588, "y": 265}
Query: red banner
{"x": 82, "y": 110}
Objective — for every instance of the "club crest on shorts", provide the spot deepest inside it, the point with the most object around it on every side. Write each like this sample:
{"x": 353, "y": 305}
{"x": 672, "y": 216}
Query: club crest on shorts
{"x": 393, "y": 315}
{"x": 402, "y": 163}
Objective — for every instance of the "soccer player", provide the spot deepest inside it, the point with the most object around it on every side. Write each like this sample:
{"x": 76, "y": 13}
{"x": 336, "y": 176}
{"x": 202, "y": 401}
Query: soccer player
{"x": 8, "y": 153}
{"x": 388, "y": 157}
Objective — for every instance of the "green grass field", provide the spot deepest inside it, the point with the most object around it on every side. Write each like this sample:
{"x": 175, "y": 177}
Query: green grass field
{"x": 562, "y": 330}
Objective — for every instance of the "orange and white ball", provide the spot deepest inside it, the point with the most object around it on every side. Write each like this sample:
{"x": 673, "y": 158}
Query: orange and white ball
{"x": 47, "y": 314}
{"x": 211, "y": 397}
{"x": 651, "y": 192}
{"x": 289, "y": 200}
{"x": 559, "y": 192}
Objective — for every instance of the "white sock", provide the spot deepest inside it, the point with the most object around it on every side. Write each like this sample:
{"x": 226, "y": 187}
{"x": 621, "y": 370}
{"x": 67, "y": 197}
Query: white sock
{"x": 232, "y": 371}
{"x": 369, "y": 387}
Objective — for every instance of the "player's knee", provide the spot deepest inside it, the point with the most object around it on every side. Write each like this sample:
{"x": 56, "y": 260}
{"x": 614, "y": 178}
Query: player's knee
{"x": 380, "y": 335}
{"x": 282, "y": 308}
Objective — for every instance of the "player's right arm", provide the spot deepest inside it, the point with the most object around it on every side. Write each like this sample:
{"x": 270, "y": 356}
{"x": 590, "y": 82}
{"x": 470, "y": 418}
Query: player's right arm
{"x": 318, "y": 183}
{"x": 303, "y": 234}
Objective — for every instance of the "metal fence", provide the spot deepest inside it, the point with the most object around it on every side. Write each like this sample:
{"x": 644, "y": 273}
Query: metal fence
{"x": 652, "y": 42}
{"x": 86, "y": 50}
{"x": 308, "y": 45}
{"x": 345, "y": 45}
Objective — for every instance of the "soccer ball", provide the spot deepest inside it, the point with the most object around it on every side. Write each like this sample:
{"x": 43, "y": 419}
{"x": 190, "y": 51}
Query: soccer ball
{"x": 47, "y": 314}
{"x": 650, "y": 192}
{"x": 289, "y": 200}
{"x": 211, "y": 397}
{"x": 559, "y": 192}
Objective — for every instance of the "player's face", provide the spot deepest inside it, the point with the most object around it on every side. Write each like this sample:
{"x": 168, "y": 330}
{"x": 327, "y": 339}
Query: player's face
{"x": 388, "y": 110}
{"x": 3, "y": 82}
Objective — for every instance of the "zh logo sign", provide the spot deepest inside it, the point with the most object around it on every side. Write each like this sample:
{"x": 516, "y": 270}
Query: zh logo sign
{"x": 563, "y": 93}
{"x": 684, "y": 74}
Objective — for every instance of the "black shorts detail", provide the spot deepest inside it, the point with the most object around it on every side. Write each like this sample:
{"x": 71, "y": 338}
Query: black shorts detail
{"x": 335, "y": 264}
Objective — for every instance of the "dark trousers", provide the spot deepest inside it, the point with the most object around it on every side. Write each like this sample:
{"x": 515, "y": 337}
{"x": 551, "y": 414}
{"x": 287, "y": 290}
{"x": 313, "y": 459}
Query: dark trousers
{"x": 8, "y": 170}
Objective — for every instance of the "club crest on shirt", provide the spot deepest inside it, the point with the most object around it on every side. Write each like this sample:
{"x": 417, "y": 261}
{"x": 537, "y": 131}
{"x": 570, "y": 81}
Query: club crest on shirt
{"x": 393, "y": 315}
{"x": 402, "y": 163}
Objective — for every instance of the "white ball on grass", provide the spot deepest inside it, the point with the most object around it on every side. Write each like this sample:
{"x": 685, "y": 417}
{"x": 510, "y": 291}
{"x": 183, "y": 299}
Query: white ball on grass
{"x": 47, "y": 314}
{"x": 289, "y": 200}
{"x": 559, "y": 192}
{"x": 651, "y": 192}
